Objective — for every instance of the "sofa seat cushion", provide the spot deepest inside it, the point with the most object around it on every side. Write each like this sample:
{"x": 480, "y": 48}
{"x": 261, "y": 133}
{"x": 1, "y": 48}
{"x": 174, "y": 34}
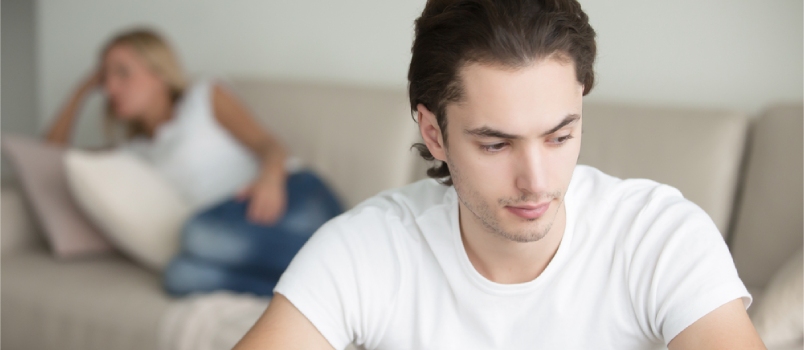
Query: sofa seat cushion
{"x": 104, "y": 303}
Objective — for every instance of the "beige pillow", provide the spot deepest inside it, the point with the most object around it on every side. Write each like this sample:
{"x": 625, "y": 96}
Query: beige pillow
{"x": 778, "y": 317}
{"x": 135, "y": 207}
{"x": 39, "y": 170}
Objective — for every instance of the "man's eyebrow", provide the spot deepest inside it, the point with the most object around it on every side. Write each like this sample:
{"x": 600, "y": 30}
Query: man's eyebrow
{"x": 486, "y": 131}
{"x": 569, "y": 119}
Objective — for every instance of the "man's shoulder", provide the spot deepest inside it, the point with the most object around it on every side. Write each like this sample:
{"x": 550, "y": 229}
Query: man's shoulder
{"x": 389, "y": 213}
{"x": 600, "y": 199}
{"x": 632, "y": 209}
{"x": 404, "y": 202}
{"x": 371, "y": 242}
{"x": 592, "y": 185}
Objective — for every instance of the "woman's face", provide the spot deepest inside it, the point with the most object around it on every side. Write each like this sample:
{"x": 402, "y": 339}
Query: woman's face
{"x": 130, "y": 85}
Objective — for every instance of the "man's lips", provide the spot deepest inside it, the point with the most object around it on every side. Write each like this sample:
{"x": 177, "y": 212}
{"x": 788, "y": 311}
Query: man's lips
{"x": 529, "y": 211}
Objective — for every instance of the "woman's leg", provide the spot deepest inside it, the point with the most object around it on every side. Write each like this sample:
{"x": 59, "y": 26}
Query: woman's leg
{"x": 223, "y": 235}
{"x": 186, "y": 274}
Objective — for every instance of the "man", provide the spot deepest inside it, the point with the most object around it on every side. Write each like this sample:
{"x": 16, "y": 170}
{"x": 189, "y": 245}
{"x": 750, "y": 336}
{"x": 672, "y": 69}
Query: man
{"x": 516, "y": 247}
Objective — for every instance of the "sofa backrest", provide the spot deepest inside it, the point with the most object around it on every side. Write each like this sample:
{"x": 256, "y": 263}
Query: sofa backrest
{"x": 698, "y": 151}
{"x": 769, "y": 225}
{"x": 358, "y": 139}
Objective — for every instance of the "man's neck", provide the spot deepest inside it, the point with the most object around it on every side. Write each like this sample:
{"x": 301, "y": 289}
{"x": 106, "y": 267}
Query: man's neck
{"x": 505, "y": 261}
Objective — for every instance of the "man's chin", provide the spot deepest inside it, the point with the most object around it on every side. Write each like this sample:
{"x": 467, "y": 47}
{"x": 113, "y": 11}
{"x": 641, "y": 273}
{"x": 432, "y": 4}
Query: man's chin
{"x": 524, "y": 230}
{"x": 525, "y": 237}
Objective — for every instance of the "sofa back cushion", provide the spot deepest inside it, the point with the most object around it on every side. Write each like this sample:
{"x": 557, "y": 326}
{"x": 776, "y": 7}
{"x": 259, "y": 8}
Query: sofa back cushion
{"x": 357, "y": 139}
{"x": 697, "y": 151}
{"x": 769, "y": 227}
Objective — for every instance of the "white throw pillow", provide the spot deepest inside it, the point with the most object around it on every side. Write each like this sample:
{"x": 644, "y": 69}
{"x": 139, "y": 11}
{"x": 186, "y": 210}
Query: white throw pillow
{"x": 778, "y": 317}
{"x": 130, "y": 202}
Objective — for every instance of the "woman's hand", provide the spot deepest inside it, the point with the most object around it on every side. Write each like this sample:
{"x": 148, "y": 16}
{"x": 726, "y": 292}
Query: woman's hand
{"x": 91, "y": 81}
{"x": 268, "y": 193}
{"x": 268, "y": 200}
{"x": 62, "y": 127}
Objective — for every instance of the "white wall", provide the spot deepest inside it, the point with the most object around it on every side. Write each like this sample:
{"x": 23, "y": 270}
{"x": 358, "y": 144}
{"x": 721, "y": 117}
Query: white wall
{"x": 350, "y": 41}
{"x": 738, "y": 54}
{"x": 18, "y": 90}
{"x": 18, "y": 98}
{"x": 716, "y": 53}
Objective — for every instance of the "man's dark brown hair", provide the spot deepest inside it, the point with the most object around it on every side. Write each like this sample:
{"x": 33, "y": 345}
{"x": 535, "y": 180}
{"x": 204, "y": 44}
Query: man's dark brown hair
{"x": 509, "y": 33}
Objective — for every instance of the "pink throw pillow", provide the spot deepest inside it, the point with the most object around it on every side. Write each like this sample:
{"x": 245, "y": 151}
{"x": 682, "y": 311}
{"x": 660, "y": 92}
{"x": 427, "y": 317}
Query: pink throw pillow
{"x": 39, "y": 169}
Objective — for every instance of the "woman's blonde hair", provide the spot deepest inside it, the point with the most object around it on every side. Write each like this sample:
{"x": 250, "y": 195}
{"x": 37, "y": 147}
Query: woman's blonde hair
{"x": 160, "y": 58}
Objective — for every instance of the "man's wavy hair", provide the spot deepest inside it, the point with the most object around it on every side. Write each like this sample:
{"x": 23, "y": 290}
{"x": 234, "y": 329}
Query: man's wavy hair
{"x": 508, "y": 33}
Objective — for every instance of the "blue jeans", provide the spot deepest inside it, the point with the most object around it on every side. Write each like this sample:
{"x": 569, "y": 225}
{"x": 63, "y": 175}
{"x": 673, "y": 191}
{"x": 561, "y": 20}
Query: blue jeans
{"x": 222, "y": 250}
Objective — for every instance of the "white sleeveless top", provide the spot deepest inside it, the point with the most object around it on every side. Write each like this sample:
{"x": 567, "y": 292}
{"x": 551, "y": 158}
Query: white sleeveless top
{"x": 195, "y": 153}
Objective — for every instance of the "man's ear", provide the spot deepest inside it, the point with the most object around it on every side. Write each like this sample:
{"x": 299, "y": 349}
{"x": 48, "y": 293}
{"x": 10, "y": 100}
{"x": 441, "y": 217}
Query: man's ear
{"x": 431, "y": 133}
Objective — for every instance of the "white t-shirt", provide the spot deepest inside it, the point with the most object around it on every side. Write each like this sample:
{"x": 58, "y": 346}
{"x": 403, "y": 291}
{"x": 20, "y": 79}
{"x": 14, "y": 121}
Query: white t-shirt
{"x": 198, "y": 155}
{"x": 636, "y": 265}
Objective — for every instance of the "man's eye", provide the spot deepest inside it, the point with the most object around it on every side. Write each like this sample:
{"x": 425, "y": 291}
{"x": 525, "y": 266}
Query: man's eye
{"x": 561, "y": 139}
{"x": 493, "y": 147}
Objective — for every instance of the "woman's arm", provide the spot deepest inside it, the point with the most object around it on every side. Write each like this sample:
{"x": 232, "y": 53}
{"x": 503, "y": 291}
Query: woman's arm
{"x": 61, "y": 130}
{"x": 267, "y": 193}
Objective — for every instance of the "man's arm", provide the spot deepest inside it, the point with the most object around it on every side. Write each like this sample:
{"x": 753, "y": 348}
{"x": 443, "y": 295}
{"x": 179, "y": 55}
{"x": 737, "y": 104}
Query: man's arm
{"x": 282, "y": 326}
{"x": 727, "y": 327}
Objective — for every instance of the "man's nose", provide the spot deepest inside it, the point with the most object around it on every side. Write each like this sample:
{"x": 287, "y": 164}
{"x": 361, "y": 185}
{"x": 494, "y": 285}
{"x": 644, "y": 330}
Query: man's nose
{"x": 532, "y": 171}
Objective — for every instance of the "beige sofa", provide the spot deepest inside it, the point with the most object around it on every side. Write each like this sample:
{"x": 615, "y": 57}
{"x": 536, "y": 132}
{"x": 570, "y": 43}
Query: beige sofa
{"x": 745, "y": 172}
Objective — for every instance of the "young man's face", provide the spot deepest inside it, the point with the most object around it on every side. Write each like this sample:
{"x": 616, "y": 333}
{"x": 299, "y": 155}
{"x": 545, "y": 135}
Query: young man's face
{"x": 512, "y": 145}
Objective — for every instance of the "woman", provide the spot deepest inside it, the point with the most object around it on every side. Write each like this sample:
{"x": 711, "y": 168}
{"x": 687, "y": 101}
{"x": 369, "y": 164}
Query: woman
{"x": 254, "y": 215}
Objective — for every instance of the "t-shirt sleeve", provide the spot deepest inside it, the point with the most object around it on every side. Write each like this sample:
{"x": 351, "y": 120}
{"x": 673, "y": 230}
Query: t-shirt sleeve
{"x": 345, "y": 278}
{"x": 681, "y": 268}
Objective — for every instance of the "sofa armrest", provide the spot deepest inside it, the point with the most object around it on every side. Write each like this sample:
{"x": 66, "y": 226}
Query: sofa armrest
{"x": 18, "y": 230}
